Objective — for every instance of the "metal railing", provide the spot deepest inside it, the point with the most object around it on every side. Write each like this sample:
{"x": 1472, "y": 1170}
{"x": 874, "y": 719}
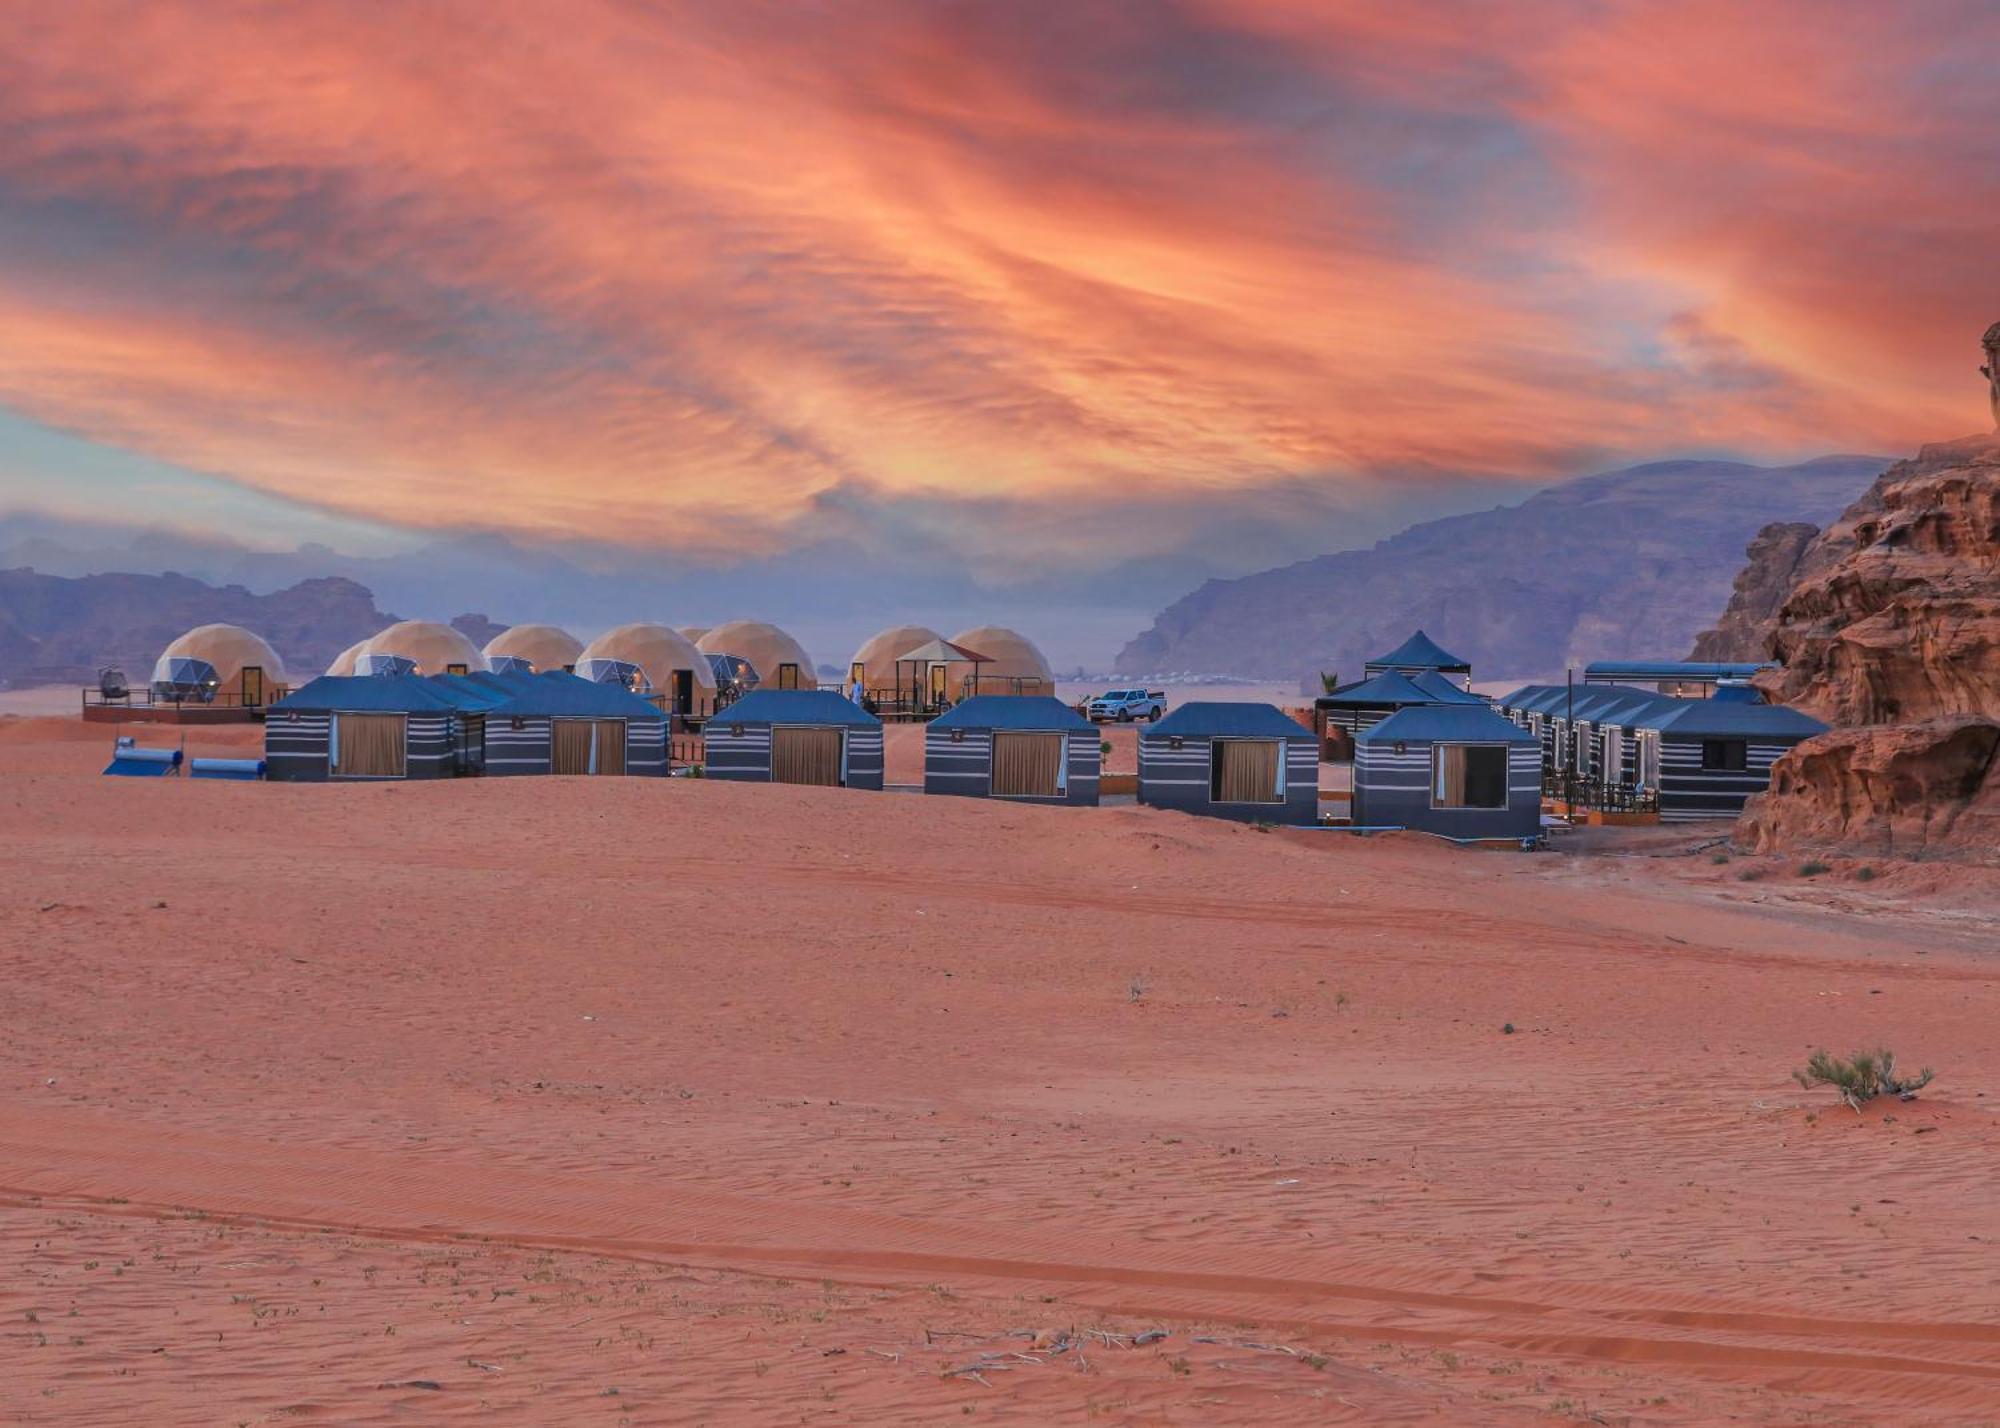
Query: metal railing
{"x": 1598, "y": 794}
{"x": 145, "y": 697}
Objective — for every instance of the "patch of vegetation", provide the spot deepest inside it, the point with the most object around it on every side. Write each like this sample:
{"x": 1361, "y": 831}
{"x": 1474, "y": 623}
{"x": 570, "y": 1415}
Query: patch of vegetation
{"x": 1718, "y": 858}
{"x": 1813, "y": 869}
{"x": 1136, "y": 989}
{"x": 1750, "y": 875}
{"x": 1861, "y": 1077}
{"x": 1865, "y": 874}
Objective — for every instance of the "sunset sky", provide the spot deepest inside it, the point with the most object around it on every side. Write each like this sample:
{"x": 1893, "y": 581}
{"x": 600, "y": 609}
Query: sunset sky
{"x": 1033, "y": 283}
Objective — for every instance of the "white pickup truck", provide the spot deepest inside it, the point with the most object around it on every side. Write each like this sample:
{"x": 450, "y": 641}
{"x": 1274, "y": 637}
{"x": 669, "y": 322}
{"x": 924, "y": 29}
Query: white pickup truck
{"x": 1125, "y": 705}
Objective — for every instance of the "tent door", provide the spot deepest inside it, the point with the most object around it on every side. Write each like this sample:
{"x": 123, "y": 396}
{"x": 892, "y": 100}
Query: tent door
{"x": 253, "y": 687}
{"x": 609, "y": 755}
{"x": 940, "y": 674}
{"x": 570, "y": 743}
{"x": 1028, "y": 765}
{"x": 368, "y": 746}
{"x": 788, "y": 676}
{"x": 805, "y": 756}
{"x": 471, "y": 744}
{"x": 683, "y": 691}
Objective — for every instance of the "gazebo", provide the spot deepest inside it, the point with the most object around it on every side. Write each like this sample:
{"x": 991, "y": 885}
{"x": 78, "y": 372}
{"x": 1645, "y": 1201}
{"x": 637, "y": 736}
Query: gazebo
{"x": 930, "y": 674}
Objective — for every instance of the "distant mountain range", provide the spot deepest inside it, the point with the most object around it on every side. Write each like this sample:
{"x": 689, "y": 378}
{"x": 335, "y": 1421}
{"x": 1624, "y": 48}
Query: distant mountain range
{"x": 1627, "y": 564}
{"x": 55, "y": 629}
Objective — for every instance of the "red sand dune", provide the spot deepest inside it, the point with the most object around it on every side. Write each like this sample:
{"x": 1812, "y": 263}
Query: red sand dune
{"x": 630, "y": 1101}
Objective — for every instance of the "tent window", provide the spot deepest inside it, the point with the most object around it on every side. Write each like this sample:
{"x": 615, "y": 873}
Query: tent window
{"x": 808, "y": 756}
{"x": 368, "y": 746}
{"x": 454, "y": 669}
{"x": 1469, "y": 776}
{"x": 788, "y": 676}
{"x": 1027, "y": 765}
{"x": 1725, "y": 755}
{"x": 1246, "y": 770}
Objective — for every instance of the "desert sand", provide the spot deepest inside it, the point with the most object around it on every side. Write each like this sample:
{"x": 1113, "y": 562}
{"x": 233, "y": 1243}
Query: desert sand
{"x": 625, "y": 1101}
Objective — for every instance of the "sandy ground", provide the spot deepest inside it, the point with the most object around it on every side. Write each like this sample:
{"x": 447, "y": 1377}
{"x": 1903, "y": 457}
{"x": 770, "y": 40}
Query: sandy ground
{"x": 631, "y": 1101}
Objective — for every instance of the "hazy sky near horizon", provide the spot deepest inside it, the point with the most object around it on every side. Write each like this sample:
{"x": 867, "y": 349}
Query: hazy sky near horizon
{"x": 1031, "y": 281}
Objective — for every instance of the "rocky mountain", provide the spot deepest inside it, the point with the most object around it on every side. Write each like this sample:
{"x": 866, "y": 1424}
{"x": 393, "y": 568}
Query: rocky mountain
{"x": 57, "y": 629}
{"x": 1892, "y": 630}
{"x": 1627, "y": 564}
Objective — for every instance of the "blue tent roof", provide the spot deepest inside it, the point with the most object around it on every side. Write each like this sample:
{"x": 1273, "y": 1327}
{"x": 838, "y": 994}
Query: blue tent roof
{"x": 1443, "y": 690}
{"x": 1670, "y": 669}
{"x": 1387, "y": 688}
{"x": 1218, "y": 718}
{"x": 1451, "y": 723}
{"x": 1419, "y": 651}
{"x": 563, "y": 695}
{"x": 798, "y": 706}
{"x": 367, "y": 693}
{"x": 1725, "y": 717}
{"x": 1012, "y": 711}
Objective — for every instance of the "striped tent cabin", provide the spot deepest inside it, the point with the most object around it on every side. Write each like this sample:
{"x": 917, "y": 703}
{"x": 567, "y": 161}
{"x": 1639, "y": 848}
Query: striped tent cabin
{"x": 1362, "y": 705}
{"x": 1245, "y": 761}
{"x": 362, "y": 727}
{"x": 1708, "y": 756}
{"x": 558, "y": 723}
{"x": 1026, "y": 748}
{"x": 1450, "y": 769}
{"x": 1698, "y": 758}
{"x": 800, "y": 736}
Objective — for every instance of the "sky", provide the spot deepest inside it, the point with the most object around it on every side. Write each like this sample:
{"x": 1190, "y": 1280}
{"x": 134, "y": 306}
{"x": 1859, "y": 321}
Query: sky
{"x": 1023, "y": 284}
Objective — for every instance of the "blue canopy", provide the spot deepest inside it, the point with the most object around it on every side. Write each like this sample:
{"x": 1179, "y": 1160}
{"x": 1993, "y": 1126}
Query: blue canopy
{"x": 1419, "y": 651}
{"x": 1387, "y": 688}
{"x": 364, "y": 694}
{"x": 1443, "y": 690}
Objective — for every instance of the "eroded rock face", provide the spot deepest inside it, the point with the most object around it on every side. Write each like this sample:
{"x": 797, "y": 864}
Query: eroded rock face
{"x": 1770, "y": 571}
{"x": 1893, "y": 631}
{"x": 1906, "y": 789}
{"x": 1897, "y": 617}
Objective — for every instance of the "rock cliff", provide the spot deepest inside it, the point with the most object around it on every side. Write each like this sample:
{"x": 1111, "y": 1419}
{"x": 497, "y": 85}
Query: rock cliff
{"x": 1892, "y": 630}
{"x": 1770, "y": 571}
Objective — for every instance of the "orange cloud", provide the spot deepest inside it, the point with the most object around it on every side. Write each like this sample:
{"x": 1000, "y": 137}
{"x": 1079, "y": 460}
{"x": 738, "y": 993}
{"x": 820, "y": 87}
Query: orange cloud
{"x": 708, "y": 276}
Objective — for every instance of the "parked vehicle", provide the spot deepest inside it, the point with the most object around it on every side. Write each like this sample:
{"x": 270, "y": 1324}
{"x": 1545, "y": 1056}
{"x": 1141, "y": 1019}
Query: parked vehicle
{"x": 1125, "y": 705}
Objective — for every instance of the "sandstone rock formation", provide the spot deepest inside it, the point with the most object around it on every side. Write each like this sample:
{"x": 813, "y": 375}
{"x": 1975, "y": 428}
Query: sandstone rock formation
{"x": 1897, "y": 617}
{"x": 1885, "y": 789}
{"x": 1893, "y": 631}
{"x": 1770, "y": 571}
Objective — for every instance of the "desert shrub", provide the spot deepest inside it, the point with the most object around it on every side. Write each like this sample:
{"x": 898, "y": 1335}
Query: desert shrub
{"x": 1750, "y": 875}
{"x": 1136, "y": 989}
{"x": 1813, "y": 870}
{"x": 1861, "y": 1077}
{"x": 1718, "y": 858}
{"x": 1864, "y": 875}
{"x": 1103, "y": 746}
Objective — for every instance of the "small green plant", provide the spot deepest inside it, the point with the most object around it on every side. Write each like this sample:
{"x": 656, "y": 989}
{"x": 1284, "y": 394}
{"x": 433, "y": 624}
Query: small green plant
{"x": 1718, "y": 858}
{"x": 1864, "y": 875}
{"x": 1103, "y": 746}
{"x": 1328, "y": 681}
{"x": 1813, "y": 869}
{"x": 1750, "y": 875}
{"x": 1861, "y": 1077}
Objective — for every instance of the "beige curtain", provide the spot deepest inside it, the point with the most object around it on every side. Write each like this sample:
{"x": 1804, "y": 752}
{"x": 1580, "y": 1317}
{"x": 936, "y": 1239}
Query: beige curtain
{"x": 809, "y": 756}
{"x": 1027, "y": 765}
{"x": 372, "y": 746}
{"x": 1249, "y": 769}
{"x": 1449, "y": 787}
{"x": 571, "y": 751}
{"x": 611, "y": 746}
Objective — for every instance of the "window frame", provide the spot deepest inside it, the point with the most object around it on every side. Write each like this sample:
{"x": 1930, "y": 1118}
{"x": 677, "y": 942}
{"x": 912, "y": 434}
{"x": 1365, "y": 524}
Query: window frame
{"x": 1506, "y": 773}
